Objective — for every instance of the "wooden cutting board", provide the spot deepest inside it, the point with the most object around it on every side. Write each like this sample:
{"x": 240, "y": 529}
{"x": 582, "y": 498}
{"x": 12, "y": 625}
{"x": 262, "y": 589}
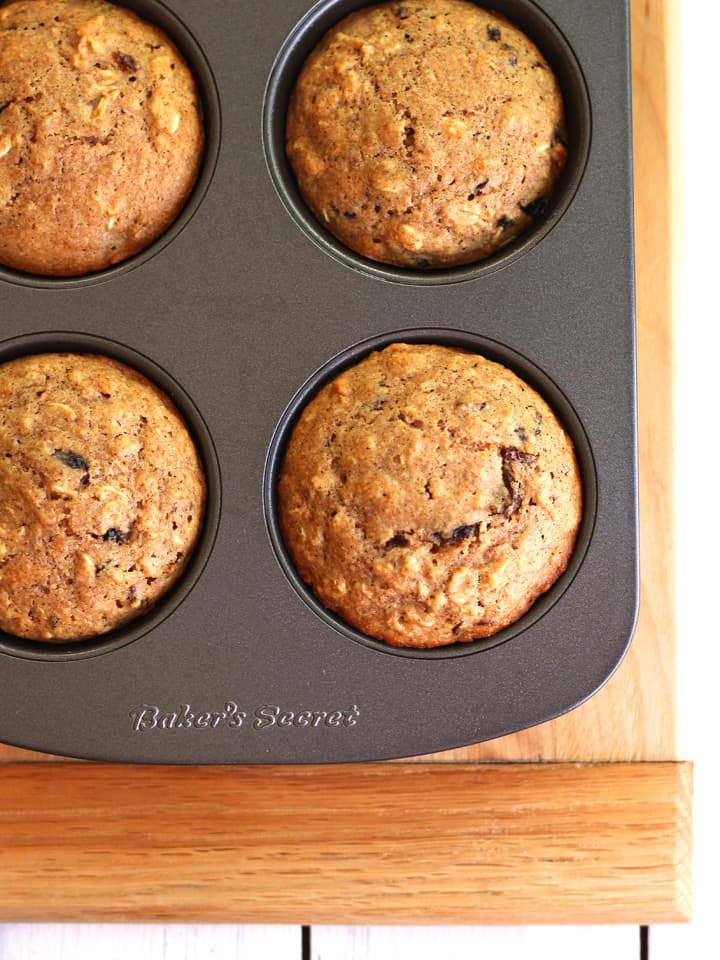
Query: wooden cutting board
{"x": 582, "y": 820}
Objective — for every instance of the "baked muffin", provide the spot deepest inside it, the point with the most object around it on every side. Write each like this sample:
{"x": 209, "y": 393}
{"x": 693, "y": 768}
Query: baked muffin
{"x": 427, "y": 133}
{"x": 429, "y": 496}
{"x": 102, "y": 496}
{"x": 101, "y": 135}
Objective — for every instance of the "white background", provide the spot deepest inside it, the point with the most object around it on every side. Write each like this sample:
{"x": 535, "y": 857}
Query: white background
{"x": 698, "y": 591}
{"x": 697, "y": 319}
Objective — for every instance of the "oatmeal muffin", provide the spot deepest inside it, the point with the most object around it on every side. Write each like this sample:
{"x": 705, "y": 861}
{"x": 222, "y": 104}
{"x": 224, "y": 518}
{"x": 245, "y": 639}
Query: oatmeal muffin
{"x": 426, "y": 134}
{"x": 102, "y": 496}
{"x": 101, "y": 135}
{"x": 429, "y": 496}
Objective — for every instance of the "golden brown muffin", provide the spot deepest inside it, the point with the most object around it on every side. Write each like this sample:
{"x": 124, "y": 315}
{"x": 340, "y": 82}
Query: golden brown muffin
{"x": 102, "y": 496}
{"x": 428, "y": 133}
{"x": 101, "y": 135}
{"x": 429, "y": 496}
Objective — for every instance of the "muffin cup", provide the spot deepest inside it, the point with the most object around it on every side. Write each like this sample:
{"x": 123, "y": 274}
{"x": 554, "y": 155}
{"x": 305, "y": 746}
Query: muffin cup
{"x": 491, "y": 350}
{"x": 159, "y": 14}
{"x": 105, "y": 643}
{"x": 299, "y": 44}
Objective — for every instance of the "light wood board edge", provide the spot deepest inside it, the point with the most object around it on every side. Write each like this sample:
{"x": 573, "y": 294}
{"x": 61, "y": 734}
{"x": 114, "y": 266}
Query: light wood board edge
{"x": 396, "y": 843}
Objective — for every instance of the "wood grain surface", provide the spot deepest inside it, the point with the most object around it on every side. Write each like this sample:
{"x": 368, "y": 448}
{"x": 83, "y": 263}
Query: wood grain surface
{"x": 446, "y": 839}
{"x": 424, "y": 843}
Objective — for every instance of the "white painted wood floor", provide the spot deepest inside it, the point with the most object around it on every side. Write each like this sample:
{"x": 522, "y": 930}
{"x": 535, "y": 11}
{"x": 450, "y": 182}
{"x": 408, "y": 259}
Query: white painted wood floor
{"x": 188, "y": 942}
{"x": 698, "y": 348}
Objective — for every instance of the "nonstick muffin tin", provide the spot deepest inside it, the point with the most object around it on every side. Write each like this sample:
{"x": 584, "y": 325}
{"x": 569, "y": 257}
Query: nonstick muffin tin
{"x": 240, "y": 312}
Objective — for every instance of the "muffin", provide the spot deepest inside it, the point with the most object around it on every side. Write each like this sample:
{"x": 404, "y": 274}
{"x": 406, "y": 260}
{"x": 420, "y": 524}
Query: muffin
{"x": 429, "y": 496}
{"x": 426, "y": 134}
{"x": 102, "y": 496}
{"x": 101, "y": 135}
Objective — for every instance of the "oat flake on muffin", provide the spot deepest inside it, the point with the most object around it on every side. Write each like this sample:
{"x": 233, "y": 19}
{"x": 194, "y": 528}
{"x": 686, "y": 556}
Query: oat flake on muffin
{"x": 427, "y": 133}
{"x": 101, "y": 496}
{"x": 429, "y": 496}
{"x": 101, "y": 135}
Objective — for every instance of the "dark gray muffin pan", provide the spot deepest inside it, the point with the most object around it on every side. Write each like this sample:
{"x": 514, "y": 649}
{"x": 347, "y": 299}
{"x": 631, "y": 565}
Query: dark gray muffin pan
{"x": 240, "y": 312}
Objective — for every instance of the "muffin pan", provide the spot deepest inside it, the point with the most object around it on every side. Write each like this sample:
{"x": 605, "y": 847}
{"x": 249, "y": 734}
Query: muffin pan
{"x": 239, "y": 312}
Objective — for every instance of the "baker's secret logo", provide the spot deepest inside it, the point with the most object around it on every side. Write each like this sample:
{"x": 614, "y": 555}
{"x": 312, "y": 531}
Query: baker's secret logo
{"x": 150, "y": 716}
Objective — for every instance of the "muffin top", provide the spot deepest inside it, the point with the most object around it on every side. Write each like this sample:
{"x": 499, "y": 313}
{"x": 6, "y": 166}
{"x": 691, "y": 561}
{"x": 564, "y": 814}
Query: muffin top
{"x": 101, "y": 135}
{"x": 426, "y": 134}
{"x": 429, "y": 496}
{"x": 102, "y": 496}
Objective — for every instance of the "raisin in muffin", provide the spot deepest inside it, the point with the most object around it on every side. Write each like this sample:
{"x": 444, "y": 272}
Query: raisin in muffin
{"x": 426, "y": 134}
{"x": 429, "y": 496}
{"x": 101, "y": 135}
{"x": 102, "y": 496}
